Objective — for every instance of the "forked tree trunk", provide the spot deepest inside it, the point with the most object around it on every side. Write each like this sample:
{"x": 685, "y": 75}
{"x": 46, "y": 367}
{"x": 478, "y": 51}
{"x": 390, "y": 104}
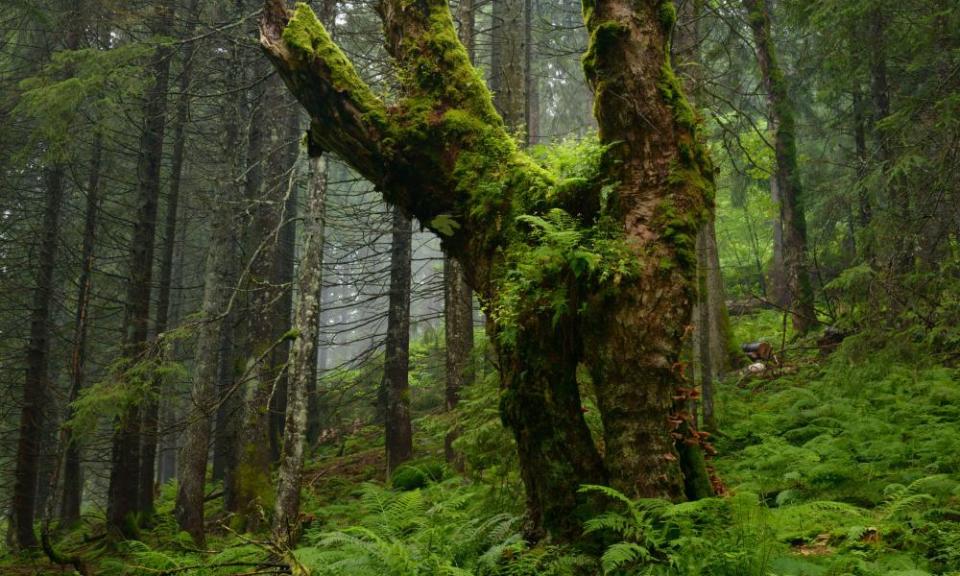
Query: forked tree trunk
{"x": 396, "y": 359}
{"x": 787, "y": 172}
{"x": 123, "y": 492}
{"x": 443, "y": 154}
{"x": 303, "y": 357}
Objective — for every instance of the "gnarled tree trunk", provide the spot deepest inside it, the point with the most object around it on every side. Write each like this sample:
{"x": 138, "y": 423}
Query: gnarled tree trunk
{"x": 618, "y": 299}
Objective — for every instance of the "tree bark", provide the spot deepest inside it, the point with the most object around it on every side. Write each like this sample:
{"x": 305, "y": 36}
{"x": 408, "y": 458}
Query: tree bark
{"x": 123, "y": 492}
{"x": 151, "y": 410}
{"x": 303, "y": 358}
{"x": 442, "y": 153}
{"x": 714, "y": 350}
{"x": 72, "y": 473}
{"x": 265, "y": 349}
{"x": 458, "y": 316}
{"x": 787, "y": 174}
{"x": 531, "y": 84}
{"x": 457, "y": 294}
{"x": 192, "y": 461}
{"x": 36, "y": 386}
{"x": 897, "y": 197}
{"x": 396, "y": 387}
{"x": 284, "y": 277}
{"x": 508, "y": 39}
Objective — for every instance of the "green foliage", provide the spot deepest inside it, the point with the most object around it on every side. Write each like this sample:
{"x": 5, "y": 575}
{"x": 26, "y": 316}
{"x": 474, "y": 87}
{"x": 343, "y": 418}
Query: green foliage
{"x": 418, "y": 474}
{"x": 440, "y": 530}
{"x": 535, "y": 281}
{"x": 77, "y": 86}
{"x": 127, "y": 383}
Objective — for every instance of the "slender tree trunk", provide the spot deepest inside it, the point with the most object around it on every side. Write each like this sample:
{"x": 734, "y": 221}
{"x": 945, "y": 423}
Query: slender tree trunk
{"x": 458, "y": 296}
{"x": 230, "y": 406}
{"x": 458, "y": 315}
{"x": 865, "y": 212}
{"x": 123, "y": 492}
{"x": 318, "y": 180}
{"x": 286, "y": 263}
{"x": 715, "y": 352}
{"x": 508, "y": 66}
{"x": 897, "y": 195}
{"x": 396, "y": 387}
{"x": 725, "y": 354}
{"x": 72, "y": 474}
{"x": 36, "y": 386}
{"x": 196, "y": 439}
{"x": 151, "y": 409}
{"x": 237, "y": 497}
{"x": 787, "y": 175}
{"x": 266, "y": 341}
{"x": 303, "y": 358}
{"x": 531, "y": 86}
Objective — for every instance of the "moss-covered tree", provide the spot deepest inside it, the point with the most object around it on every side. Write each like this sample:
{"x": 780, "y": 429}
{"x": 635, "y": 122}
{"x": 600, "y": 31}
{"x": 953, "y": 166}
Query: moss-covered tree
{"x": 786, "y": 179}
{"x": 590, "y": 267}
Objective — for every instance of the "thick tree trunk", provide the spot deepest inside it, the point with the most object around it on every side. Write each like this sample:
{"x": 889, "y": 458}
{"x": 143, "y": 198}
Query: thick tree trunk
{"x": 123, "y": 492}
{"x": 303, "y": 358}
{"x": 443, "y": 154}
{"x": 72, "y": 474}
{"x": 396, "y": 387}
{"x": 151, "y": 409}
{"x": 787, "y": 174}
{"x": 36, "y": 386}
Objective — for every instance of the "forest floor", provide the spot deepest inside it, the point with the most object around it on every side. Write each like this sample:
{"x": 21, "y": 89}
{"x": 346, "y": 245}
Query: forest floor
{"x": 839, "y": 464}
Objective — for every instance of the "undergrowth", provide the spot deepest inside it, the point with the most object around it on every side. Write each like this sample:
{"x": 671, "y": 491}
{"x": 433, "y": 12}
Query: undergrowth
{"x": 847, "y": 464}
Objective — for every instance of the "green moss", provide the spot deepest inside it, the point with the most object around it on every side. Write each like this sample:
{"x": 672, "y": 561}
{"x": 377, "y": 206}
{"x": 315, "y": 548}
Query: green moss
{"x": 309, "y": 40}
{"x": 603, "y": 42}
{"x": 668, "y": 15}
{"x": 588, "y": 8}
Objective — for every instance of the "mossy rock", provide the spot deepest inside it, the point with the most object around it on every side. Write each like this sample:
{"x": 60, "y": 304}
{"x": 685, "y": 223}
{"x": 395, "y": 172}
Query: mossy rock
{"x": 418, "y": 474}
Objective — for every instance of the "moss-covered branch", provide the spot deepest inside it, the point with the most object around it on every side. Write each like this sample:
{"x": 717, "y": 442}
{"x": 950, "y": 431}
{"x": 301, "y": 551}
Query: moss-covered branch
{"x": 321, "y": 76}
